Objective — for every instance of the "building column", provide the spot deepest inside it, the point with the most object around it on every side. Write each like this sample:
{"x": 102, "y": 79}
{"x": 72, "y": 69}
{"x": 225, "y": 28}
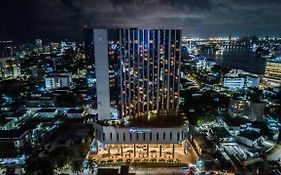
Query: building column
{"x": 108, "y": 150}
{"x": 184, "y": 146}
{"x": 147, "y": 150}
{"x": 160, "y": 150}
{"x": 134, "y": 150}
{"x": 173, "y": 152}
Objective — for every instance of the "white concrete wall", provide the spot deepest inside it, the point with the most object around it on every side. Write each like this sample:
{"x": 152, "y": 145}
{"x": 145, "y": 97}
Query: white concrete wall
{"x": 107, "y": 130}
{"x": 102, "y": 73}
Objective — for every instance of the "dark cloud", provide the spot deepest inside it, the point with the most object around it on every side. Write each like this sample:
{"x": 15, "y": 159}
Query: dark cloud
{"x": 58, "y": 19}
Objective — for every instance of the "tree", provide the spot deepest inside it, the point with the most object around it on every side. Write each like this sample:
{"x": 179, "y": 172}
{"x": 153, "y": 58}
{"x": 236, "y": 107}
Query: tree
{"x": 77, "y": 166}
{"x": 61, "y": 156}
{"x": 2, "y": 120}
{"x": 39, "y": 166}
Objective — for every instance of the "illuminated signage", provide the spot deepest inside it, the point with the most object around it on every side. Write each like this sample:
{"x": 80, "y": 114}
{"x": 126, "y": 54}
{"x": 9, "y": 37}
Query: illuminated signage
{"x": 137, "y": 130}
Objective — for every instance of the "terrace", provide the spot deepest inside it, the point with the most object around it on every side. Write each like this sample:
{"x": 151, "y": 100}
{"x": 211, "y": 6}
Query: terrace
{"x": 140, "y": 153}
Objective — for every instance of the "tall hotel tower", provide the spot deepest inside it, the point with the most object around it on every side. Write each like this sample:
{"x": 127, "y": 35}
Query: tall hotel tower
{"x": 137, "y": 70}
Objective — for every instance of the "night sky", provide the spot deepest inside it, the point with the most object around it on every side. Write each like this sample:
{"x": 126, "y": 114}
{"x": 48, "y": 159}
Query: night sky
{"x": 59, "y": 19}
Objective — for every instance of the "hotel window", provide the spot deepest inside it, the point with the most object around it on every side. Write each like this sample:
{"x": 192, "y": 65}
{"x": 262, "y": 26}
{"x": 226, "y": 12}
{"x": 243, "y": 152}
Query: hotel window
{"x": 111, "y": 136}
{"x": 178, "y": 136}
{"x": 130, "y": 136}
{"x": 150, "y": 136}
{"x": 144, "y": 136}
{"x": 117, "y": 137}
{"x": 124, "y": 137}
{"x": 171, "y": 135}
{"x": 164, "y": 136}
{"x": 103, "y": 136}
{"x": 157, "y": 136}
{"x": 137, "y": 136}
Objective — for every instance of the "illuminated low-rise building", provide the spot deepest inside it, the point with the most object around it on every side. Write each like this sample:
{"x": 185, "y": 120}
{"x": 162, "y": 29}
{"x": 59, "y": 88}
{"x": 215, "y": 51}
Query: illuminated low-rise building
{"x": 272, "y": 75}
{"x": 156, "y": 136}
{"x": 237, "y": 79}
{"x": 234, "y": 82}
{"x": 252, "y": 110}
{"x": 239, "y": 82}
{"x": 58, "y": 80}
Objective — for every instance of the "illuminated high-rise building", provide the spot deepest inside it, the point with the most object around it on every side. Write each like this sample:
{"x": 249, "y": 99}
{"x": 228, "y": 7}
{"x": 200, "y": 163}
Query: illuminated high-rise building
{"x": 9, "y": 68}
{"x": 137, "y": 70}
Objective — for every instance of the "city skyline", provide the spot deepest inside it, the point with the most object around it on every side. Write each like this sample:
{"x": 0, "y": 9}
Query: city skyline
{"x": 64, "y": 19}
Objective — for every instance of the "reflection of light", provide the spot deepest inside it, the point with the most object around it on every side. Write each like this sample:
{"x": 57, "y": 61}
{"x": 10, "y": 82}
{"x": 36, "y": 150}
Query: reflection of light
{"x": 41, "y": 89}
{"x": 49, "y": 69}
{"x": 91, "y": 80}
{"x": 114, "y": 46}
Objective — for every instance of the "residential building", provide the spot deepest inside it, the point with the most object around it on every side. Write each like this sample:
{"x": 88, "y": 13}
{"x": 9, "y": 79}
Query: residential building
{"x": 58, "y": 80}
{"x": 272, "y": 75}
{"x": 252, "y": 110}
{"x": 234, "y": 82}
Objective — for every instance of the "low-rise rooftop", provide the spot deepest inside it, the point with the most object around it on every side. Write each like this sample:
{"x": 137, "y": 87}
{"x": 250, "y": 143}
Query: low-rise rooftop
{"x": 250, "y": 134}
{"x": 47, "y": 110}
{"x": 75, "y": 110}
{"x": 235, "y": 122}
{"x": 221, "y": 132}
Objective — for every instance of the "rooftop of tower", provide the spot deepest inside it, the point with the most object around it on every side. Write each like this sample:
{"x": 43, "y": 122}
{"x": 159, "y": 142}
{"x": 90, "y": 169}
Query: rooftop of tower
{"x": 161, "y": 119}
{"x": 134, "y": 27}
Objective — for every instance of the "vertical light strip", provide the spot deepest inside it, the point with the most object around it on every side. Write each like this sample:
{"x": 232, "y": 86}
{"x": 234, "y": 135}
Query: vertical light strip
{"x": 174, "y": 70}
{"x": 169, "y": 62}
{"x": 179, "y": 69}
{"x": 158, "y": 68}
{"x": 147, "y": 69}
{"x": 138, "y": 69}
{"x": 128, "y": 72}
{"x": 121, "y": 72}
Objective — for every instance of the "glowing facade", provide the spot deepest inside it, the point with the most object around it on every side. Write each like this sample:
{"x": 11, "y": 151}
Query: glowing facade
{"x": 273, "y": 72}
{"x": 143, "y": 69}
{"x": 273, "y": 69}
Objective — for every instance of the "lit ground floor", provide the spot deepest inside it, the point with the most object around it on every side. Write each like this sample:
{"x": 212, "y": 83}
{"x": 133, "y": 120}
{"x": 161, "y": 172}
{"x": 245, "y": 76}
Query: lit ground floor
{"x": 114, "y": 153}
